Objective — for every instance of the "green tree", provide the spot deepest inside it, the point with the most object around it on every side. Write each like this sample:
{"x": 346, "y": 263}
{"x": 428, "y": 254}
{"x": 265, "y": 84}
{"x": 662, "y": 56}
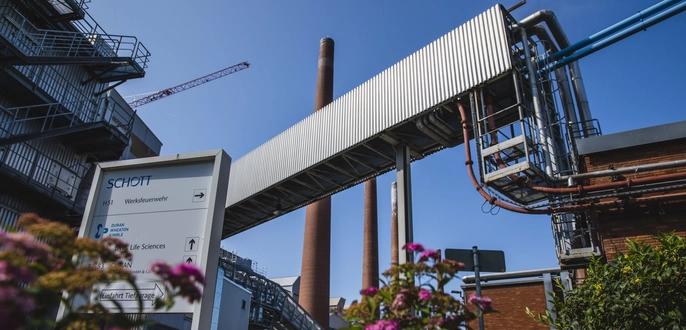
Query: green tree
{"x": 642, "y": 289}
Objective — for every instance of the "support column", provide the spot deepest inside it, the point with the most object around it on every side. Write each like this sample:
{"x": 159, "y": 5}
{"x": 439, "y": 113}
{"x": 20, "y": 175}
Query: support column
{"x": 405, "y": 232}
{"x": 316, "y": 264}
{"x": 370, "y": 259}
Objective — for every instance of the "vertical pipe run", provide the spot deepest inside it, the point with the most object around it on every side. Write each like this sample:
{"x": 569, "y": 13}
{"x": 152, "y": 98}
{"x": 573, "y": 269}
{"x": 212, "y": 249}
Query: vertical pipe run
{"x": 370, "y": 259}
{"x": 540, "y": 121}
{"x": 395, "y": 259}
{"x": 316, "y": 264}
{"x": 405, "y": 232}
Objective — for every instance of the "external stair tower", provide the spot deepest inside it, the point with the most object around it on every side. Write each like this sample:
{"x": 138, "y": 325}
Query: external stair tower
{"x": 58, "y": 113}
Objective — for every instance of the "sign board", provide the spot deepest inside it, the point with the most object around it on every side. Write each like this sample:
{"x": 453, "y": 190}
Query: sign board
{"x": 167, "y": 209}
{"x": 489, "y": 260}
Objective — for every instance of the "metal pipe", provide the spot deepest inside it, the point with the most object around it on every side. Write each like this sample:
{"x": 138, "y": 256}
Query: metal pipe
{"x": 553, "y": 24}
{"x": 492, "y": 200}
{"x": 438, "y": 122}
{"x": 428, "y": 131}
{"x": 623, "y": 170}
{"x": 512, "y": 275}
{"x": 590, "y": 49}
{"x": 429, "y": 124}
{"x": 560, "y": 75}
{"x": 538, "y": 112}
{"x": 638, "y": 17}
{"x": 570, "y": 208}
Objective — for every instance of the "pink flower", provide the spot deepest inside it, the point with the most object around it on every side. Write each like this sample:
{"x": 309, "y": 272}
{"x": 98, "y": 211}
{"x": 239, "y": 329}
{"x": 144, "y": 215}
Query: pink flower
{"x": 161, "y": 269}
{"x": 428, "y": 254}
{"x": 400, "y": 301}
{"x": 384, "y": 325}
{"x": 14, "y": 297}
{"x": 24, "y": 242}
{"x": 413, "y": 247}
{"x": 425, "y": 295}
{"x": 190, "y": 271}
{"x": 370, "y": 291}
{"x": 485, "y": 303}
{"x": 9, "y": 272}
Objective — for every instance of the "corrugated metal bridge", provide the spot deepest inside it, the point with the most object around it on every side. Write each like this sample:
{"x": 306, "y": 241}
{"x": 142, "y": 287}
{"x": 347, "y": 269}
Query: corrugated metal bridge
{"x": 413, "y": 104}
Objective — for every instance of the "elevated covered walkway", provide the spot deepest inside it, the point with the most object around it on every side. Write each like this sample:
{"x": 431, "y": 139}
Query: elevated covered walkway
{"x": 413, "y": 104}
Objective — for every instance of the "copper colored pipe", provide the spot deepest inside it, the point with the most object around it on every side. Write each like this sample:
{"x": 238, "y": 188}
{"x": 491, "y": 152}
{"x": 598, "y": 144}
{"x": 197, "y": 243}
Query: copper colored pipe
{"x": 494, "y": 201}
{"x": 316, "y": 261}
{"x": 579, "y": 189}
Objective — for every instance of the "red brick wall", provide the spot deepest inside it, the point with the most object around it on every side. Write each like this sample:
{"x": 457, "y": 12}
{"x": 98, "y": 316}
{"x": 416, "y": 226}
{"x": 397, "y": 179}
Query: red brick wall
{"x": 615, "y": 226}
{"x": 511, "y": 302}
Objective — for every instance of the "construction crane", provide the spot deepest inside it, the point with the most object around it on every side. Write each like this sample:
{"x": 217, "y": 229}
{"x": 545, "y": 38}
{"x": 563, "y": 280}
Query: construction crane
{"x": 190, "y": 84}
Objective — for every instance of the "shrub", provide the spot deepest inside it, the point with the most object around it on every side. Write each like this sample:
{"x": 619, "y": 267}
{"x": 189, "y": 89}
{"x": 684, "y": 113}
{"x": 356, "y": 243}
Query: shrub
{"x": 642, "y": 289}
{"x": 413, "y": 297}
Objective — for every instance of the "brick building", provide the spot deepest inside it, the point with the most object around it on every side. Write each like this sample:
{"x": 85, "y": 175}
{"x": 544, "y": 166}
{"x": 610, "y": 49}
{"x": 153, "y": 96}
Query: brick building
{"x": 642, "y": 175}
{"x": 512, "y": 293}
{"x": 644, "y": 209}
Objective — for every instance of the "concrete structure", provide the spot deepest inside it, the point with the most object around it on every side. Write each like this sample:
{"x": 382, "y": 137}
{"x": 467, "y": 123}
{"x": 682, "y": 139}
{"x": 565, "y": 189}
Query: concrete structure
{"x": 59, "y": 112}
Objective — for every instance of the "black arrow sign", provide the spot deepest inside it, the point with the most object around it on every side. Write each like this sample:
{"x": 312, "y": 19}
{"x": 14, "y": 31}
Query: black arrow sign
{"x": 200, "y": 195}
{"x": 191, "y": 242}
{"x": 189, "y": 260}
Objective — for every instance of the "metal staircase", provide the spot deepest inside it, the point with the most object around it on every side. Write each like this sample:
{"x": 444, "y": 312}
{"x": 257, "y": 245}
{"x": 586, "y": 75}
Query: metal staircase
{"x": 100, "y": 127}
{"x": 108, "y": 57}
{"x": 271, "y": 306}
{"x": 45, "y": 179}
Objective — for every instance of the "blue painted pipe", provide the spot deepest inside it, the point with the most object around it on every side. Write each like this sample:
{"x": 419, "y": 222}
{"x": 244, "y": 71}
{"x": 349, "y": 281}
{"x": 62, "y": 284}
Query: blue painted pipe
{"x": 614, "y": 28}
{"x": 588, "y": 50}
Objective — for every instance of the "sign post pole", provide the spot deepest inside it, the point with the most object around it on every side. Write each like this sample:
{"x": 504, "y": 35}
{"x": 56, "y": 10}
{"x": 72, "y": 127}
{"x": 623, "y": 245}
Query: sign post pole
{"x": 477, "y": 280}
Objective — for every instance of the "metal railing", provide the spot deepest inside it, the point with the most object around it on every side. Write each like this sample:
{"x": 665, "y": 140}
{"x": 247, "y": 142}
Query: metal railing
{"x": 271, "y": 303}
{"x": 44, "y": 118}
{"x": 34, "y": 42}
{"x": 65, "y": 7}
{"x": 53, "y": 178}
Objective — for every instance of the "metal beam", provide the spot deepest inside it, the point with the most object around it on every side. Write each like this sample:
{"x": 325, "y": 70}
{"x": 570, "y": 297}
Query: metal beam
{"x": 405, "y": 228}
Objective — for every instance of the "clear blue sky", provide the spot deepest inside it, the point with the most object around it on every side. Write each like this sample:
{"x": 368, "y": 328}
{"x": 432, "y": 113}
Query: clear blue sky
{"x": 636, "y": 83}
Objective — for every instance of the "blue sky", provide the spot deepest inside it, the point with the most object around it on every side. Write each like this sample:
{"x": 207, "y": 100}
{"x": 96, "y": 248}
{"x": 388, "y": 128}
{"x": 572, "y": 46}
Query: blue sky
{"x": 635, "y": 83}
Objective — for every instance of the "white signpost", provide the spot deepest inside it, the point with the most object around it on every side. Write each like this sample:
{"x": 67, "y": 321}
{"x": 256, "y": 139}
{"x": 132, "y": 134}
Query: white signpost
{"x": 169, "y": 209}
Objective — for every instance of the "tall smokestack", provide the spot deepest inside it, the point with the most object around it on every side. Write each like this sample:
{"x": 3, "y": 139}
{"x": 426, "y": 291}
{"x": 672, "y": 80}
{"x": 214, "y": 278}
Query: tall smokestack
{"x": 316, "y": 264}
{"x": 370, "y": 259}
{"x": 395, "y": 256}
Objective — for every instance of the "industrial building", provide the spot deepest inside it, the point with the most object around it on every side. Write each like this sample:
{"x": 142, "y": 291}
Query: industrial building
{"x": 60, "y": 112}
{"x": 515, "y": 87}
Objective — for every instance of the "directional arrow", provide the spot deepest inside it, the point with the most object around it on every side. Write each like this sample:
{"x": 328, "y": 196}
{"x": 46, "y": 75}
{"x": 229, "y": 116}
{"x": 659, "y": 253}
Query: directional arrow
{"x": 189, "y": 260}
{"x": 191, "y": 242}
{"x": 200, "y": 195}
{"x": 132, "y": 295}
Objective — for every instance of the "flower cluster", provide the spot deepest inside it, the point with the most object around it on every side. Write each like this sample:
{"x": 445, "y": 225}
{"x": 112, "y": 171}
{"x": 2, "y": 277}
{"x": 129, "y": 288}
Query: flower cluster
{"x": 412, "y": 297}
{"x": 484, "y": 303}
{"x": 184, "y": 280}
{"x": 37, "y": 266}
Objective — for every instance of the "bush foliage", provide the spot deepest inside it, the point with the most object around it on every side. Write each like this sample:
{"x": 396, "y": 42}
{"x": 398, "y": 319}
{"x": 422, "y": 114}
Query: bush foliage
{"x": 644, "y": 288}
